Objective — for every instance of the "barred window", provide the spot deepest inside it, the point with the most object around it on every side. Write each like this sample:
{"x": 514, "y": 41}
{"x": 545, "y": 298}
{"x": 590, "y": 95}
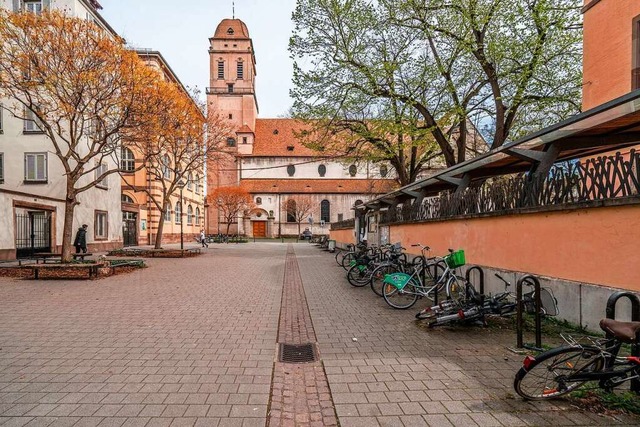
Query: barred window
{"x": 221, "y": 69}
{"x": 240, "y": 70}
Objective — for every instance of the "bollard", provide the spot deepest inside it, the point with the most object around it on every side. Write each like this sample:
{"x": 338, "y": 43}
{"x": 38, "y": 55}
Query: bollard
{"x": 635, "y": 317}
{"x": 538, "y": 314}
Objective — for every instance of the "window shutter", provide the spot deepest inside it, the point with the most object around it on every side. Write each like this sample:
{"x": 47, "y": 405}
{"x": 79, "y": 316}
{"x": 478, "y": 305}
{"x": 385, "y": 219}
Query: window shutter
{"x": 17, "y": 5}
{"x": 46, "y": 4}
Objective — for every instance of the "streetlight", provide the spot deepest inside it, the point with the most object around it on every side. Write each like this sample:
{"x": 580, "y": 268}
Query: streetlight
{"x": 181, "y": 185}
{"x": 219, "y": 209}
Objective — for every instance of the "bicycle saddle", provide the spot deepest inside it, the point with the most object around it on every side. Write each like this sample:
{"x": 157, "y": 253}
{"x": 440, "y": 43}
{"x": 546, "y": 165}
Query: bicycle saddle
{"x": 624, "y": 331}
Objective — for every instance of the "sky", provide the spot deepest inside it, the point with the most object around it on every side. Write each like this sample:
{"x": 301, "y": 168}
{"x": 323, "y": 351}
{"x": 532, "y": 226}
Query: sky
{"x": 180, "y": 31}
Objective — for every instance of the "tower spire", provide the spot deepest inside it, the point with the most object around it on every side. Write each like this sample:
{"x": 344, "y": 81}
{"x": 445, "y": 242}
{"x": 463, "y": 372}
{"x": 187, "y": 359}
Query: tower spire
{"x": 233, "y": 8}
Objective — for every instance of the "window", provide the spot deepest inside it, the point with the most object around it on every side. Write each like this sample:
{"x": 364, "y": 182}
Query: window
{"x": 291, "y": 210}
{"x": 31, "y": 122}
{"x": 258, "y": 200}
{"x": 33, "y": 6}
{"x": 231, "y": 142}
{"x": 353, "y": 170}
{"x": 197, "y": 216}
{"x": 290, "y": 147}
{"x": 230, "y": 88}
{"x": 221, "y": 69}
{"x": 100, "y": 170}
{"x": 322, "y": 170}
{"x": 178, "y": 213}
{"x": 197, "y": 184}
{"x": 635, "y": 54}
{"x": 340, "y": 217}
{"x": 240, "y": 70}
{"x": 383, "y": 171}
{"x": 1, "y": 168}
{"x": 35, "y": 167}
{"x": 167, "y": 213}
{"x": 127, "y": 161}
{"x": 230, "y": 116}
{"x": 244, "y": 138}
{"x": 126, "y": 199}
{"x": 230, "y": 31}
{"x": 325, "y": 211}
{"x": 291, "y": 170}
{"x": 166, "y": 167}
{"x": 189, "y": 215}
{"x": 190, "y": 182}
{"x": 101, "y": 226}
{"x": 358, "y": 202}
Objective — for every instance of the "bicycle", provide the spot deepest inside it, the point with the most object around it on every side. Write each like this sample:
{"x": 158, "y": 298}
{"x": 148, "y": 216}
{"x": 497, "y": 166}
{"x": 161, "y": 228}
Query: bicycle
{"x": 394, "y": 262}
{"x": 558, "y": 371}
{"x": 402, "y": 290}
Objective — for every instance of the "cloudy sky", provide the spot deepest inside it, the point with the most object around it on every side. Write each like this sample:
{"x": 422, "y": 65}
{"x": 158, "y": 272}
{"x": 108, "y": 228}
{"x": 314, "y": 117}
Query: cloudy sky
{"x": 180, "y": 31}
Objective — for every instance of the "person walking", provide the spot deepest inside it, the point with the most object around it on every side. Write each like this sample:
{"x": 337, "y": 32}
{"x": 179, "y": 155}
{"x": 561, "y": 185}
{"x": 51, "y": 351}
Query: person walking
{"x": 81, "y": 239}
{"x": 203, "y": 239}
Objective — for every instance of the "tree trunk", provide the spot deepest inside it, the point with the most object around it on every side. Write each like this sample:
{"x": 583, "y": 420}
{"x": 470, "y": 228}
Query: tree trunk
{"x": 67, "y": 230}
{"x": 158, "y": 242}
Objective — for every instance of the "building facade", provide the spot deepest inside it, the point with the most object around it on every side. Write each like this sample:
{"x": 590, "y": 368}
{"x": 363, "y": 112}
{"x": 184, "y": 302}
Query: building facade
{"x": 140, "y": 215}
{"x": 266, "y": 158}
{"x": 32, "y": 184}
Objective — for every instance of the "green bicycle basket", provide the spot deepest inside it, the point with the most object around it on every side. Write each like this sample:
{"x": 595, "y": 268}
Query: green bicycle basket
{"x": 456, "y": 259}
{"x": 399, "y": 280}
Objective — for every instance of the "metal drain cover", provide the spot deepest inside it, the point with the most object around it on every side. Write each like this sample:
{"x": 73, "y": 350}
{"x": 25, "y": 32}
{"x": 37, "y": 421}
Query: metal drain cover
{"x": 302, "y": 353}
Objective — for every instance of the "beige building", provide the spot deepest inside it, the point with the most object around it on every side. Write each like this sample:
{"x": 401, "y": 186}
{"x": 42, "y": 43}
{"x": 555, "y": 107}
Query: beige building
{"x": 32, "y": 185}
{"x": 265, "y": 156}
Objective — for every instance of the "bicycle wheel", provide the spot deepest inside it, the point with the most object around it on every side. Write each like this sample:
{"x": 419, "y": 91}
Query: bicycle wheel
{"x": 550, "y": 374}
{"x": 359, "y": 275}
{"x": 338, "y": 256}
{"x": 400, "y": 298}
{"x": 346, "y": 260}
{"x": 377, "y": 276}
{"x": 456, "y": 290}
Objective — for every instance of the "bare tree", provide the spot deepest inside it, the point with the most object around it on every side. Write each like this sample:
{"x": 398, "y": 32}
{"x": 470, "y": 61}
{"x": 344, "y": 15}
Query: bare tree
{"x": 231, "y": 201}
{"x": 300, "y": 207}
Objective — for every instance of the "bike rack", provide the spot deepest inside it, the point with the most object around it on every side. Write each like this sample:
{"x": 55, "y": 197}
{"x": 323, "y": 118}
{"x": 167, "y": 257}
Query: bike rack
{"x": 538, "y": 316}
{"x": 635, "y": 317}
{"x": 436, "y": 269}
{"x": 480, "y": 282}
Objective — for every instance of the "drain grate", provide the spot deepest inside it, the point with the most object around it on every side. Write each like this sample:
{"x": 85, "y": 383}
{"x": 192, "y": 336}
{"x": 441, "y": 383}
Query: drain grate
{"x": 302, "y": 353}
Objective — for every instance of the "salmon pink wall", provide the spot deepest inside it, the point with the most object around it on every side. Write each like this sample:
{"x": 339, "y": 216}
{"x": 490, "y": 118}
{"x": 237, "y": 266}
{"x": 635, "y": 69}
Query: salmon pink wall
{"x": 343, "y": 237}
{"x": 597, "y": 246}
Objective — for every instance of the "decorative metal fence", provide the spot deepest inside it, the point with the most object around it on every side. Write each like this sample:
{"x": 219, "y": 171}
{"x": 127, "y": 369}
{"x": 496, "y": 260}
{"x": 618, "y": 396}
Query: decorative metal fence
{"x": 600, "y": 178}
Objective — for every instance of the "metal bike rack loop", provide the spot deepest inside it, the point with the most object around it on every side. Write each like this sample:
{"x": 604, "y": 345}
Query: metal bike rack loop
{"x": 480, "y": 281}
{"x": 635, "y": 317}
{"x": 538, "y": 307}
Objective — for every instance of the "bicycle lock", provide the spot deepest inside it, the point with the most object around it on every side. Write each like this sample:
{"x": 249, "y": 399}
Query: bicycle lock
{"x": 635, "y": 317}
{"x": 520, "y": 308}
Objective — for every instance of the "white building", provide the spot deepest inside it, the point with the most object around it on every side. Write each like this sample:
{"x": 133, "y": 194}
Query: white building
{"x": 32, "y": 185}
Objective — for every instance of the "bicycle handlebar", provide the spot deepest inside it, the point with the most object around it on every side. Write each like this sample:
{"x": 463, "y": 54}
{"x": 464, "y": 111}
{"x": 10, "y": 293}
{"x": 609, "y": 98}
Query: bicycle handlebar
{"x": 502, "y": 278}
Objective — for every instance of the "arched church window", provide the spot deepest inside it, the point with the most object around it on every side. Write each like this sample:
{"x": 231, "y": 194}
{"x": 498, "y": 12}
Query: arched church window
{"x": 383, "y": 171}
{"x": 353, "y": 170}
{"x": 291, "y": 170}
{"x": 322, "y": 170}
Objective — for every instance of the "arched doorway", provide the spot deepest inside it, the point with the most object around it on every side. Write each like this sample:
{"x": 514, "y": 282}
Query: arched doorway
{"x": 259, "y": 222}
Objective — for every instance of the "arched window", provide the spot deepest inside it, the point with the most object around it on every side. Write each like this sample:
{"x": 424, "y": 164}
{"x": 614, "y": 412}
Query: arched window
{"x": 127, "y": 161}
{"x": 178, "y": 213}
{"x": 167, "y": 213}
{"x": 240, "y": 69}
{"x": 197, "y": 216}
{"x": 291, "y": 170}
{"x": 322, "y": 170}
{"x": 325, "y": 211}
{"x": 231, "y": 142}
{"x": 353, "y": 170}
{"x": 190, "y": 181}
{"x": 358, "y": 202}
{"x": 126, "y": 199}
{"x": 189, "y": 215}
{"x": 197, "y": 184}
{"x": 166, "y": 166}
{"x": 258, "y": 200}
{"x": 383, "y": 171}
{"x": 291, "y": 210}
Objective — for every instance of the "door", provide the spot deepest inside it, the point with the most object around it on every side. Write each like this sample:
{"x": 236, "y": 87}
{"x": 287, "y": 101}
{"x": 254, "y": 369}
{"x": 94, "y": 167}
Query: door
{"x": 130, "y": 228}
{"x": 33, "y": 233}
{"x": 259, "y": 229}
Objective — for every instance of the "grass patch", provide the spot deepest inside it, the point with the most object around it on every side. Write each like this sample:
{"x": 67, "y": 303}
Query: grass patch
{"x": 601, "y": 402}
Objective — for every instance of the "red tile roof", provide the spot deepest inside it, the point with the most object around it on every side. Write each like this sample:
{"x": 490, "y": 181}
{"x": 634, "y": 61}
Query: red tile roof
{"x": 244, "y": 129}
{"x": 231, "y": 29}
{"x": 275, "y": 137}
{"x": 323, "y": 186}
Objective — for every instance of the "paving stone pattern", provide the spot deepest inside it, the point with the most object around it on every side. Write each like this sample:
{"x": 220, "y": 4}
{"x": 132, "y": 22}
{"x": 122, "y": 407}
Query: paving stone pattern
{"x": 192, "y": 342}
{"x": 300, "y": 393}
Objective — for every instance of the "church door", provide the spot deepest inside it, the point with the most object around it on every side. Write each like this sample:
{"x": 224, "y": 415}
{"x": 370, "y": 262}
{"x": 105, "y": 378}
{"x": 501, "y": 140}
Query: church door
{"x": 259, "y": 229}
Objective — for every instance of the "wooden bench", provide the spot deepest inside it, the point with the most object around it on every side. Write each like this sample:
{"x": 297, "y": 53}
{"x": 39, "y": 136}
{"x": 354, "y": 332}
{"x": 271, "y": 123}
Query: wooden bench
{"x": 91, "y": 268}
{"x": 44, "y": 256}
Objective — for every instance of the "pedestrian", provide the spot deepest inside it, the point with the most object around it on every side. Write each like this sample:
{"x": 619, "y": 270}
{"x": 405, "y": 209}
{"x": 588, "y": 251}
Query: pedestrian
{"x": 203, "y": 239}
{"x": 81, "y": 239}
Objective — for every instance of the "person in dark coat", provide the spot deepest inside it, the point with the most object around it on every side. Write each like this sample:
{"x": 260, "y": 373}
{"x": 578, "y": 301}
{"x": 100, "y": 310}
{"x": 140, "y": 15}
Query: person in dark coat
{"x": 81, "y": 239}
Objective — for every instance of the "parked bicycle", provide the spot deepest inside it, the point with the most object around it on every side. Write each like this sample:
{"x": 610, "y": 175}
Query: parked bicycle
{"x": 561, "y": 370}
{"x": 402, "y": 290}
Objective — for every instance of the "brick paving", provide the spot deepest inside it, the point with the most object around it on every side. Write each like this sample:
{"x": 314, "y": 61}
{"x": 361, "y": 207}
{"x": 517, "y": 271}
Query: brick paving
{"x": 300, "y": 393}
{"x": 192, "y": 342}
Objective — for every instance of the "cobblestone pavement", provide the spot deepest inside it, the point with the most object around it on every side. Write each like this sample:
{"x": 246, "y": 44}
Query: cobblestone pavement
{"x": 193, "y": 342}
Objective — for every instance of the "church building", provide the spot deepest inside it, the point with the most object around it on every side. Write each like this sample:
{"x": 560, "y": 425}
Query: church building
{"x": 266, "y": 158}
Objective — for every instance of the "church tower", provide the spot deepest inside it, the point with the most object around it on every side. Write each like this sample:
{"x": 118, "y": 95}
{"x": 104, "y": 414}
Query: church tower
{"x": 231, "y": 94}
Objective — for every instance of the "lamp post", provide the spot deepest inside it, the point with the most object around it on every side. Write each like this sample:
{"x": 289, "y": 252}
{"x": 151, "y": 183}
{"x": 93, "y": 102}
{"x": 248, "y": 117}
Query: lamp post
{"x": 219, "y": 209}
{"x": 181, "y": 185}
